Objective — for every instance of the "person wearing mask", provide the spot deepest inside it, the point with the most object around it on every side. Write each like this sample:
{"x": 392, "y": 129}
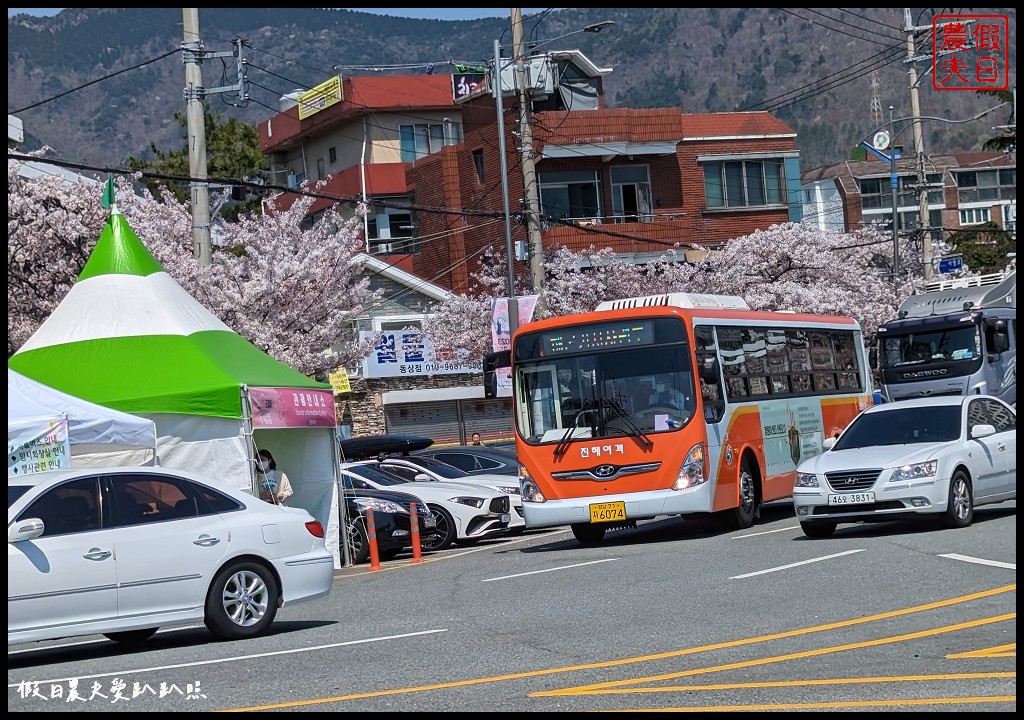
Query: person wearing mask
{"x": 273, "y": 483}
{"x": 665, "y": 395}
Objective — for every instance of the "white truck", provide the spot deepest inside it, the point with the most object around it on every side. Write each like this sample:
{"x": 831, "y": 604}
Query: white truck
{"x": 958, "y": 338}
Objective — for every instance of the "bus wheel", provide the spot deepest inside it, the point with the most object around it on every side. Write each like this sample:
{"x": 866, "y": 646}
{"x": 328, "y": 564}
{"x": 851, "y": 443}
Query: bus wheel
{"x": 588, "y": 533}
{"x": 742, "y": 517}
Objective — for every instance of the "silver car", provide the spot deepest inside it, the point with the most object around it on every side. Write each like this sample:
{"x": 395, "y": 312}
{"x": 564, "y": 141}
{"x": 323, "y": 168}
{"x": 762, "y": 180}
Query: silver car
{"x": 931, "y": 456}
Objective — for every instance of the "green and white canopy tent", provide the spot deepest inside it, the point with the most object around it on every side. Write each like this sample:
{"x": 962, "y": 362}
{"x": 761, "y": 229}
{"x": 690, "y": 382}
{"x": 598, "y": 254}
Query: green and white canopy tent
{"x": 129, "y": 337}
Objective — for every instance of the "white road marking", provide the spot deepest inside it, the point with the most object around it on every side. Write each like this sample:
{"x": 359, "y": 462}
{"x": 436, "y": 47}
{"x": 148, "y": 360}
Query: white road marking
{"x": 764, "y": 532}
{"x": 198, "y": 663}
{"x": 979, "y": 561}
{"x": 796, "y": 564}
{"x": 538, "y": 572}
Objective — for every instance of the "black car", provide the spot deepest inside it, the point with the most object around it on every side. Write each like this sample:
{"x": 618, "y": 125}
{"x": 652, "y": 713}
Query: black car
{"x": 475, "y": 459}
{"x": 391, "y": 520}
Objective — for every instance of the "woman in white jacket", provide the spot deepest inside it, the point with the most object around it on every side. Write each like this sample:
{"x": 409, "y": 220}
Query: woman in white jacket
{"x": 273, "y": 483}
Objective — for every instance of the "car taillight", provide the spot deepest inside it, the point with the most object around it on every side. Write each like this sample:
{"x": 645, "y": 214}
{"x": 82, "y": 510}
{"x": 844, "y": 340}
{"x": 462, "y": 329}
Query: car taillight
{"x": 315, "y": 528}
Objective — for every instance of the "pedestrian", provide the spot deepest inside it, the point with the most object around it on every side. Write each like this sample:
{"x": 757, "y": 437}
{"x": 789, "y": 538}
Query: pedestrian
{"x": 476, "y": 439}
{"x": 273, "y": 483}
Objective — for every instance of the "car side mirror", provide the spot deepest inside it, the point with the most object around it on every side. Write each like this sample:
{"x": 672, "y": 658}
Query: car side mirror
{"x": 873, "y": 358}
{"x": 828, "y": 442}
{"x": 27, "y": 529}
{"x": 1000, "y": 342}
{"x": 982, "y": 431}
{"x": 423, "y": 477}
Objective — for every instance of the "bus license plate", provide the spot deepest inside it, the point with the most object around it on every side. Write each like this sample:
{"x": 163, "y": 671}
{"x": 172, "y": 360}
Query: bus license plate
{"x": 606, "y": 512}
{"x": 852, "y": 498}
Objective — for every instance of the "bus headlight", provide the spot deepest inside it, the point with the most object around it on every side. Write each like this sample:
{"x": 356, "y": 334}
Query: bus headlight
{"x": 528, "y": 488}
{"x": 693, "y": 471}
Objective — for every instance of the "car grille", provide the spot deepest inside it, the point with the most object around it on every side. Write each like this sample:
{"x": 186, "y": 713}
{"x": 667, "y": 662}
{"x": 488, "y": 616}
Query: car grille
{"x": 852, "y": 480}
{"x": 500, "y": 505}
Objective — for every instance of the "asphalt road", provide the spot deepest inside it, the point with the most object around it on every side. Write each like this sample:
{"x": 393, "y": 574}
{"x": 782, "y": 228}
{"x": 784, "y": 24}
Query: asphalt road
{"x": 674, "y": 615}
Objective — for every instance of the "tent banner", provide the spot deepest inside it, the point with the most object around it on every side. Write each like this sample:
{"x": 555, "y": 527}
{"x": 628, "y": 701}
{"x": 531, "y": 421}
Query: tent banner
{"x": 291, "y": 407}
{"x": 37, "y": 446}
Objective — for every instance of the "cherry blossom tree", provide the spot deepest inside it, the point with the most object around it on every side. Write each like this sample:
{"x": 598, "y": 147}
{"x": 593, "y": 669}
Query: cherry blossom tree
{"x": 292, "y": 291}
{"x": 784, "y": 267}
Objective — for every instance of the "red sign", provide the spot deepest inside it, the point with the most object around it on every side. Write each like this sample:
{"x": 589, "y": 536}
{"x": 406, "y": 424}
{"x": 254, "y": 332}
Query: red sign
{"x": 290, "y": 407}
{"x": 970, "y": 52}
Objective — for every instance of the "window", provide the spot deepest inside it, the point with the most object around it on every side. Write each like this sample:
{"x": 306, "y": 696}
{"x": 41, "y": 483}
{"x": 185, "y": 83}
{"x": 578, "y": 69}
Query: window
{"x": 320, "y": 171}
{"x": 332, "y": 155}
{"x": 975, "y": 216}
{"x": 986, "y": 185}
{"x": 478, "y": 163}
{"x": 418, "y": 141}
{"x": 776, "y": 362}
{"x": 631, "y": 193}
{"x": 68, "y": 508}
{"x": 571, "y": 194}
{"x": 744, "y": 183}
{"x": 386, "y": 225}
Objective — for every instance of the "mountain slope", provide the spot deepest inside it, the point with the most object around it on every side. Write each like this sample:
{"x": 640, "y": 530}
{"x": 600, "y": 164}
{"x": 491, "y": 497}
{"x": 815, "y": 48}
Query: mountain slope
{"x": 100, "y": 84}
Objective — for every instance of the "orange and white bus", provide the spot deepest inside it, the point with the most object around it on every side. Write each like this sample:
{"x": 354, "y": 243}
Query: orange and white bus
{"x": 674, "y": 404}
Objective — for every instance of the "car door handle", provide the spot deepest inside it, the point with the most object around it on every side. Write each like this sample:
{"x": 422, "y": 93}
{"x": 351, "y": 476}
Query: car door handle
{"x": 1002, "y": 447}
{"x": 206, "y": 541}
{"x": 97, "y": 554}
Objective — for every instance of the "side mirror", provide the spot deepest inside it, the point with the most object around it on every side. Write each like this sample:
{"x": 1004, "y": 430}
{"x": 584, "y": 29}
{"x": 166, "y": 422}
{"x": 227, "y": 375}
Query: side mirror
{"x": 873, "y": 358}
{"x": 982, "y": 431}
{"x": 710, "y": 370}
{"x": 493, "y": 361}
{"x": 1000, "y": 342}
{"x": 828, "y": 442}
{"x": 27, "y": 529}
{"x": 423, "y": 477}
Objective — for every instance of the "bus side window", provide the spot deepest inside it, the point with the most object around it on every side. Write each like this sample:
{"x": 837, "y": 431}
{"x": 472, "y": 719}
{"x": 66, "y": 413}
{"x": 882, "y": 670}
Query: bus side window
{"x": 710, "y": 388}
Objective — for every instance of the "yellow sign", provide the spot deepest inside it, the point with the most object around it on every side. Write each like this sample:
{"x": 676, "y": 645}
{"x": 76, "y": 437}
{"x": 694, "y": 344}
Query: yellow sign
{"x": 322, "y": 96}
{"x": 339, "y": 381}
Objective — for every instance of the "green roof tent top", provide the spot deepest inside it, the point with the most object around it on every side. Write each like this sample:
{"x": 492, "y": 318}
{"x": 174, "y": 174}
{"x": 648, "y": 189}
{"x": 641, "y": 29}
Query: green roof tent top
{"x": 127, "y": 336}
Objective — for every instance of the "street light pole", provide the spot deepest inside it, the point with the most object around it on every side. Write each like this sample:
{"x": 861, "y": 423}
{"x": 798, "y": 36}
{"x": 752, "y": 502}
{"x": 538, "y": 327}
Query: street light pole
{"x": 509, "y": 247}
{"x": 893, "y": 186}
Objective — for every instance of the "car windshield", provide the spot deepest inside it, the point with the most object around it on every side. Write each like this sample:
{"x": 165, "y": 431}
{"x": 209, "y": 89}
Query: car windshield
{"x": 14, "y": 492}
{"x": 934, "y": 345}
{"x": 902, "y": 426}
{"x": 375, "y": 475}
{"x": 439, "y": 467}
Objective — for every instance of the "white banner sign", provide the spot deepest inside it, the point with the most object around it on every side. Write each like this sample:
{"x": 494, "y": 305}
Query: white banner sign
{"x": 408, "y": 353}
{"x": 501, "y": 338}
{"x": 37, "y": 446}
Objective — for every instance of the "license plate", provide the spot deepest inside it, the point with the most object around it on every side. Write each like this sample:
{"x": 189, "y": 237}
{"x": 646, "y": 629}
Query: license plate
{"x": 852, "y": 498}
{"x": 606, "y": 512}
{"x": 430, "y": 521}
{"x": 506, "y": 517}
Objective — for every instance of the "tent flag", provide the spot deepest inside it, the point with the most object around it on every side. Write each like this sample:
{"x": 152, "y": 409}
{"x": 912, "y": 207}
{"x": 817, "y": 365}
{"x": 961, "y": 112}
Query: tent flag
{"x": 129, "y": 337}
{"x": 108, "y": 194}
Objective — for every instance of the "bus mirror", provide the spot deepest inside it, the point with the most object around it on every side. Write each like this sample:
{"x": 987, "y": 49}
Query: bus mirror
{"x": 493, "y": 361}
{"x": 1000, "y": 342}
{"x": 709, "y": 369}
{"x": 873, "y": 358}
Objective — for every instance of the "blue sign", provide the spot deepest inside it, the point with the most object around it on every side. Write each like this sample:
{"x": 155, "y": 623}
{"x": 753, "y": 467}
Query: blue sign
{"x": 951, "y": 264}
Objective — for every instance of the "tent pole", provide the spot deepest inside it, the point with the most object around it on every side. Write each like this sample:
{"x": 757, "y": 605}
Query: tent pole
{"x": 342, "y": 505}
{"x": 247, "y": 435}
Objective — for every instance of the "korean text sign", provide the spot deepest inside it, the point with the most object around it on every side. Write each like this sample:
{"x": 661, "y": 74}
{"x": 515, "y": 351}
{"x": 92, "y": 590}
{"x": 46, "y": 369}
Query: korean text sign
{"x": 291, "y": 407}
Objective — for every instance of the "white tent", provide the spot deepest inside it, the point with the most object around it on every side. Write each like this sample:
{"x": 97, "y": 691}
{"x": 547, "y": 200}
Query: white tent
{"x": 92, "y": 429}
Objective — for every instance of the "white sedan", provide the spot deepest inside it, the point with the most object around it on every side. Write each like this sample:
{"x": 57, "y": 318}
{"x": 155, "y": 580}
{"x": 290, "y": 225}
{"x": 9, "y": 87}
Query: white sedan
{"x": 940, "y": 455}
{"x": 428, "y": 469}
{"x": 464, "y": 514}
{"x": 124, "y": 551}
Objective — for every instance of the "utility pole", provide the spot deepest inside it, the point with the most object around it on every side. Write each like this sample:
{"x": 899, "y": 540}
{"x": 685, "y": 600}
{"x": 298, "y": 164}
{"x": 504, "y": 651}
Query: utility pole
{"x": 532, "y": 200}
{"x": 922, "y": 176}
{"x": 191, "y": 47}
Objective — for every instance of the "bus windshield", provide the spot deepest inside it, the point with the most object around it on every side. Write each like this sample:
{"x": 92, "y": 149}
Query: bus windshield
{"x": 590, "y": 392}
{"x": 962, "y": 342}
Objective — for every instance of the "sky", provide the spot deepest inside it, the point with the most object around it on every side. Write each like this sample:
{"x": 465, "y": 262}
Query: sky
{"x": 427, "y": 13}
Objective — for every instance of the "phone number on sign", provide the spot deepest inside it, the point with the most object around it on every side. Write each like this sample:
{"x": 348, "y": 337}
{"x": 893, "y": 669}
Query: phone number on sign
{"x": 434, "y": 367}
